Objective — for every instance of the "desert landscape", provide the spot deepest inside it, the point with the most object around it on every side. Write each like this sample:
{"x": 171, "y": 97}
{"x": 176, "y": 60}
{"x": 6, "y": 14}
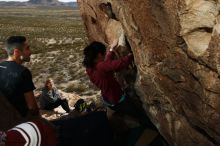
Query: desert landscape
{"x": 57, "y": 38}
{"x": 176, "y": 73}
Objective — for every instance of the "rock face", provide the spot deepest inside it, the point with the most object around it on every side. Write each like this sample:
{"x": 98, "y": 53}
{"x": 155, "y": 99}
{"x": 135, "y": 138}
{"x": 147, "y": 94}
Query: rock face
{"x": 176, "y": 48}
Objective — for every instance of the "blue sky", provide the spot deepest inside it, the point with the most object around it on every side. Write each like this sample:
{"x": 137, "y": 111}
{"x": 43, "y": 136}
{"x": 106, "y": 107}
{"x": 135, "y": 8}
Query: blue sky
{"x": 27, "y": 0}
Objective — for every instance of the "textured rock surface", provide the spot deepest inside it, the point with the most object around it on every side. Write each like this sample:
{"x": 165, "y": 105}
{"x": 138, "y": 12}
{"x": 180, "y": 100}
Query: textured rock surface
{"x": 176, "y": 49}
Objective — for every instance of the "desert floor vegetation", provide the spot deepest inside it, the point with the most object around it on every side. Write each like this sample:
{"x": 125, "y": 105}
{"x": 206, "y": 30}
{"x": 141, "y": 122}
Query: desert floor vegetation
{"x": 57, "y": 37}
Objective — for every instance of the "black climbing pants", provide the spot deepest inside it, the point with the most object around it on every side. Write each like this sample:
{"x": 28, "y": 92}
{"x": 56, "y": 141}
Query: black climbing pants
{"x": 63, "y": 103}
{"x": 129, "y": 108}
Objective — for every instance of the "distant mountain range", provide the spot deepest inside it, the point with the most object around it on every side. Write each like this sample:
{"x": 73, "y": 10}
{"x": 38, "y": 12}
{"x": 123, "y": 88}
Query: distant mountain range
{"x": 39, "y": 3}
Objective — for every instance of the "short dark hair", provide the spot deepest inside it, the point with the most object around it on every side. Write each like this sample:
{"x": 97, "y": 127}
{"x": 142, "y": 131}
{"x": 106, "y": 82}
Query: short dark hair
{"x": 91, "y": 52}
{"x": 14, "y": 42}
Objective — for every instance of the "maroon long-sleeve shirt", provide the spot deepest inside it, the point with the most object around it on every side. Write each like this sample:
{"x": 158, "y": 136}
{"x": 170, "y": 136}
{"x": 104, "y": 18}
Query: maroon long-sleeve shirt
{"x": 102, "y": 75}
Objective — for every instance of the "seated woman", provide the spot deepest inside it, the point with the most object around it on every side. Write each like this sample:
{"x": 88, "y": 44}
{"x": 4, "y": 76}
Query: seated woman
{"x": 51, "y": 98}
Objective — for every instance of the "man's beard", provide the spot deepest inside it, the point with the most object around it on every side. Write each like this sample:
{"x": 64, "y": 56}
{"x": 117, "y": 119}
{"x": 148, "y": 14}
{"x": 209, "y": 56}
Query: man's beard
{"x": 25, "y": 59}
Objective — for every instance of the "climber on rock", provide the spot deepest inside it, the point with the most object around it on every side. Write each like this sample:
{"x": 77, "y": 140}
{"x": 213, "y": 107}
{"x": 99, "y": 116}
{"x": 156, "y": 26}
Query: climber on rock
{"x": 100, "y": 68}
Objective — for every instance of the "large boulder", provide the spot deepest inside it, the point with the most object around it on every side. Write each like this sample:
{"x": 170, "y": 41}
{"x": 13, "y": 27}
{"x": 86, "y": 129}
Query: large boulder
{"x": 176, "y": 48}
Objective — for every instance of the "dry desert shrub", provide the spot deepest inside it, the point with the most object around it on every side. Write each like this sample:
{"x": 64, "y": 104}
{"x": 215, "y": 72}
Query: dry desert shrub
{"x": 57, "y": 38}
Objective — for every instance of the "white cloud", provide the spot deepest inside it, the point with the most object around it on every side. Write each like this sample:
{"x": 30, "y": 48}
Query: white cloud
{"x": 14, "y": 0}
{"x": 67, "y": 0}
{"x": 27, "y": 0}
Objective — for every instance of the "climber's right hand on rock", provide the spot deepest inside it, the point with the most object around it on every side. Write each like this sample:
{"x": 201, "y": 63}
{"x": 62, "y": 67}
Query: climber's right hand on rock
{"x": 114, "y": 45}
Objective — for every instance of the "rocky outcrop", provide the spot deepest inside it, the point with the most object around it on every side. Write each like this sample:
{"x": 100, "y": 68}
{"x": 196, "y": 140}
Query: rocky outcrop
{"x": 47, "y": 3}
{"x": 43, "y": 1}
{"x": 176, "y": 48}
{"x": 50, "y": 3}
